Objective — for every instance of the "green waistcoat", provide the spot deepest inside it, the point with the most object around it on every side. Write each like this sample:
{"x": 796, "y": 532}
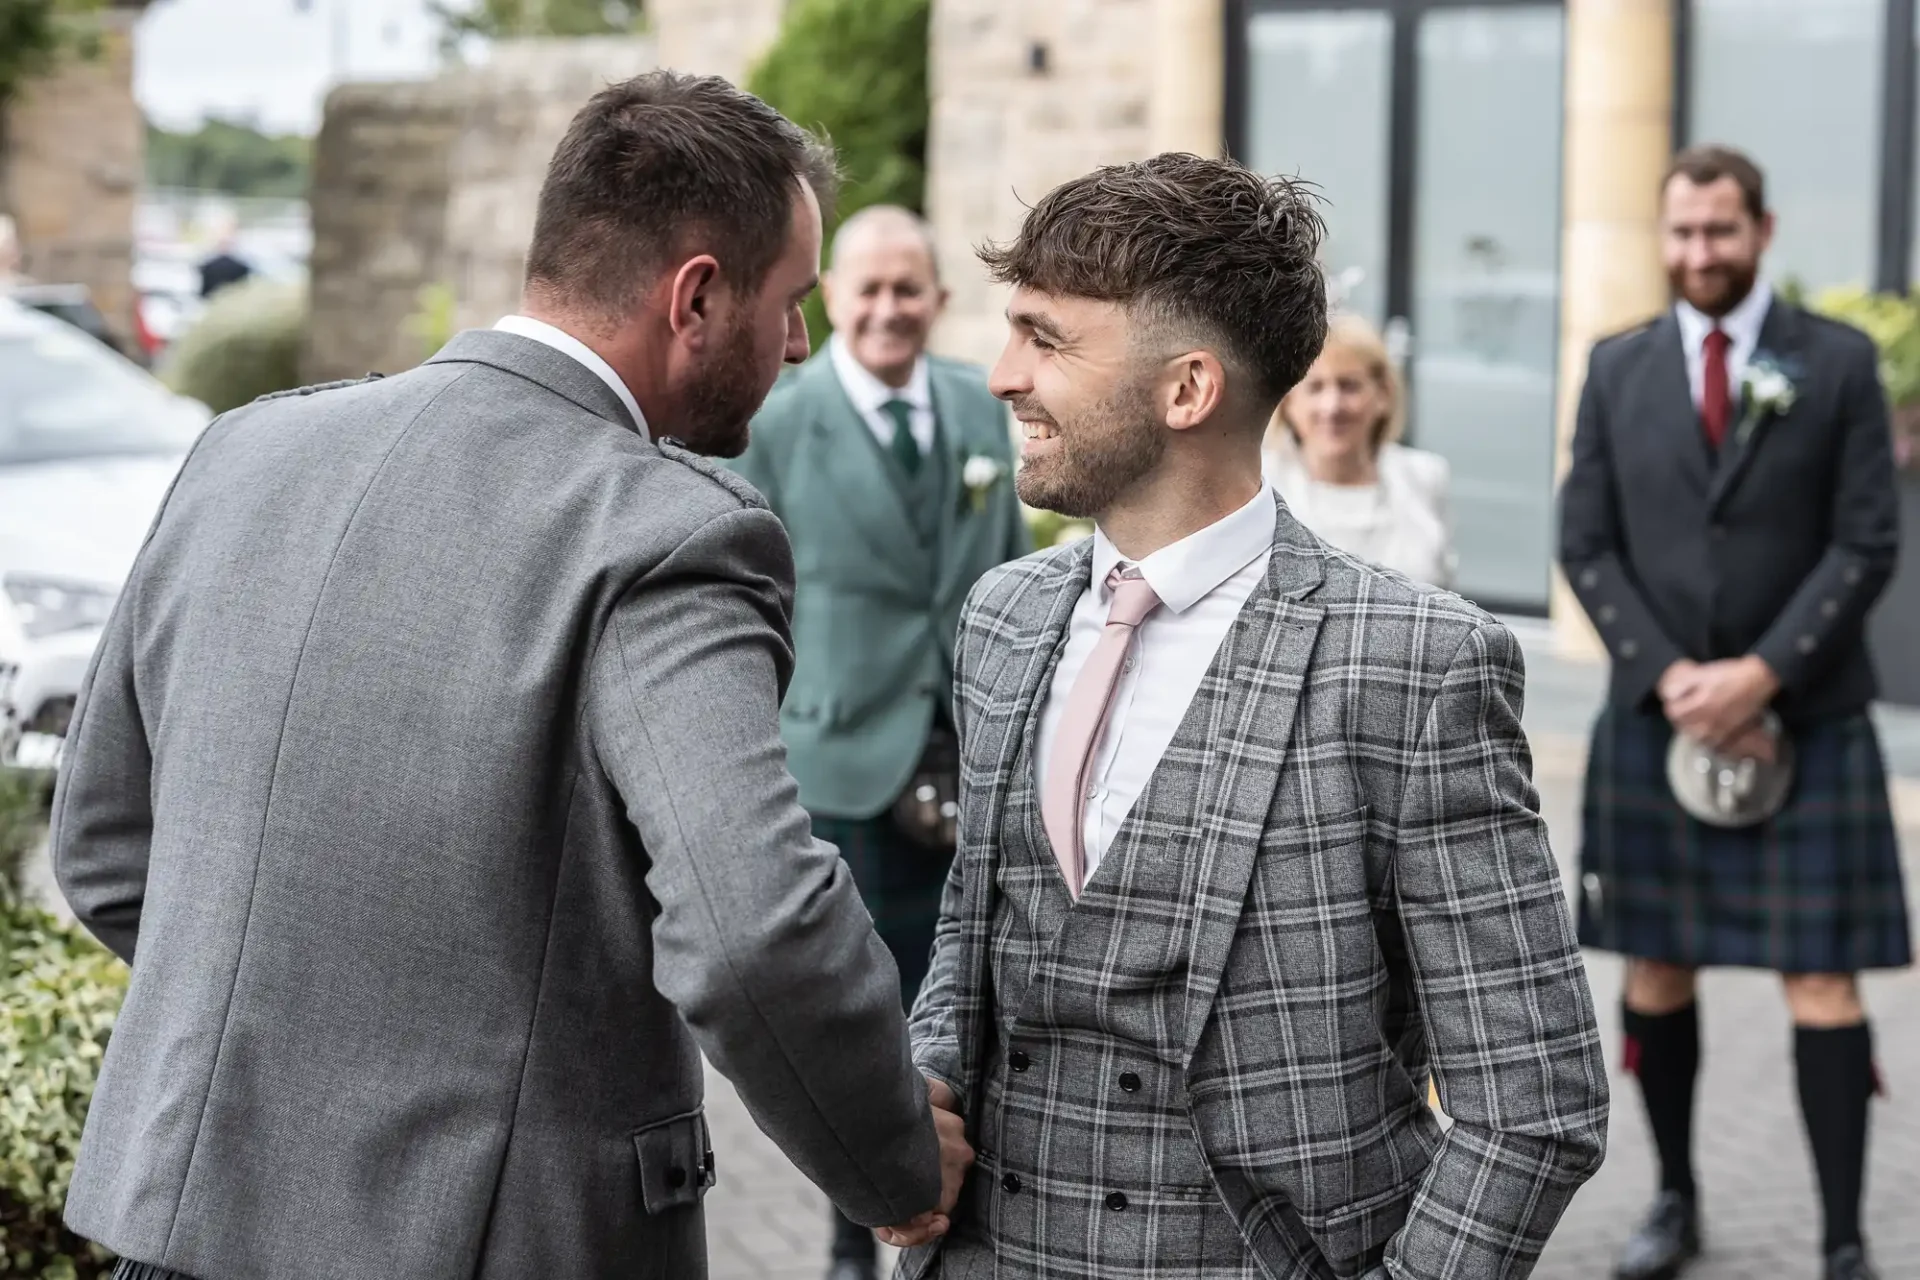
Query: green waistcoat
{"x": 882, "y": 562}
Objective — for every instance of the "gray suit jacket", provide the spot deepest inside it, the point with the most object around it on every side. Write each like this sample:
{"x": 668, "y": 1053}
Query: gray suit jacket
{"x": 428, "y": 774}
{"x": 1374, "y": 901}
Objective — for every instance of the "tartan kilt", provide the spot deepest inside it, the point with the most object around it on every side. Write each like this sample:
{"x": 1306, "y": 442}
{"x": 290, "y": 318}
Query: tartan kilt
{"x": 1817, "y": 889}
{"x": 900, "y": 880}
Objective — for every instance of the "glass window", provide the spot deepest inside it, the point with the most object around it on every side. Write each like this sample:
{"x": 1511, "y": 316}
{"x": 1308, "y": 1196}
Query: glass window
{"x": 1318, "y": 107}
{"x": 1486, "y": 284}
{"x": 1798, "y": 87}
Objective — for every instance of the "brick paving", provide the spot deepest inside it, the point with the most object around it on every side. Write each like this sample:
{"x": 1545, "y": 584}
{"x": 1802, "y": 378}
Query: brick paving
{"x": 1762, "y": 1220}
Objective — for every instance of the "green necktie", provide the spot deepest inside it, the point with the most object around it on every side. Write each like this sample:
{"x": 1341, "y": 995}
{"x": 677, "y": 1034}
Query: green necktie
{"x": 906, "y": 450}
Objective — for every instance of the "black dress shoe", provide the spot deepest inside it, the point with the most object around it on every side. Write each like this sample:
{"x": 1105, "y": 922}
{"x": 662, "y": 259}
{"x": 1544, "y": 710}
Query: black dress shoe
{"x": 852, "y": 1269}
{"x": 1849, "y": 1262}
{"x": 1665, "y": 1243}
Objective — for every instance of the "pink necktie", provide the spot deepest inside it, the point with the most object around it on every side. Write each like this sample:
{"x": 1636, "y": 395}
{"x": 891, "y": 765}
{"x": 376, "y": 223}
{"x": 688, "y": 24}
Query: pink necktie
{"x": 1063, "y": 797}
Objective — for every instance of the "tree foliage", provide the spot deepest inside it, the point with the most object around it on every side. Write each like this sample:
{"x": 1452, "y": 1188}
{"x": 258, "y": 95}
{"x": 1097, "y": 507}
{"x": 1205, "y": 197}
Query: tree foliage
{"x": 35, "y": 33}
{"x": 503, "y": 19}
{"x": 244, "y": 346}
{"x": 856, "y": 71}
{"x": 220, "y": 156}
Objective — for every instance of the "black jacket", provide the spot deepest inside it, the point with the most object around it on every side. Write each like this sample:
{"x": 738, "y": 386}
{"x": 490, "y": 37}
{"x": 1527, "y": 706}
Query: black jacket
{"x": 1778, "y": 545}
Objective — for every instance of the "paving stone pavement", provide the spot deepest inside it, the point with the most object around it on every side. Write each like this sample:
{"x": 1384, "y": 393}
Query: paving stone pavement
{"x": 764, "y": 1222}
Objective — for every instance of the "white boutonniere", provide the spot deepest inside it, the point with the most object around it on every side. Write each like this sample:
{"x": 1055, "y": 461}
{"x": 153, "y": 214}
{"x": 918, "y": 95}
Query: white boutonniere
{"x": 1765, "y": 388}
{"x": 979, "y": 475}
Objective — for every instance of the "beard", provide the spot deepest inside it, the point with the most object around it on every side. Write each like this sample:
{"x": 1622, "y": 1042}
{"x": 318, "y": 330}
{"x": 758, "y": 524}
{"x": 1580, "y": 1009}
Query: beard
{"x": 721, "y": 403}
{"x": 1717, "y": 291}
{"x": 1098, "y": 455}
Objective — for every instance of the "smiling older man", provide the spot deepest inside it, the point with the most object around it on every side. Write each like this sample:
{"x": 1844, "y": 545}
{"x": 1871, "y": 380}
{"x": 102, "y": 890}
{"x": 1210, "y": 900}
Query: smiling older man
{"x": 893, "y": 472}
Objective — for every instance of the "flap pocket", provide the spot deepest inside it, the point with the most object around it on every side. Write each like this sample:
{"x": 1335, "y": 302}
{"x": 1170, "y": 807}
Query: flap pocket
{"x": 1353, "y": 1230}
{"x": 676, "y": 1161}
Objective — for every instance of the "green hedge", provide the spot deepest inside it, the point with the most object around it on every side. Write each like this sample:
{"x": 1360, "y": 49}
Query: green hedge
{"x": 855, "y": 71}
{"x": 245, "y": 345}
{"x": 59, "y": 994}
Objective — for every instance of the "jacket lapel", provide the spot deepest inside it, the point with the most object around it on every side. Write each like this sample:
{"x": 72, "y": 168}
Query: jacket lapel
{"x": 1253, "y": 689}
{"x": 1779, "y": 341}
{"x": 847, "y": 454}
{"x": 1676, "y": 421}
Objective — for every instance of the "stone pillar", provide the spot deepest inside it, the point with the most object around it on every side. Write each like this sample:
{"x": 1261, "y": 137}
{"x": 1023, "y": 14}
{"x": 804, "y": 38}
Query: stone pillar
{"x": 1619, "y": 114}
{"x": 73, "y": 168}
{"x": 714, "y": 37}
{"x": 1187, "y": 109}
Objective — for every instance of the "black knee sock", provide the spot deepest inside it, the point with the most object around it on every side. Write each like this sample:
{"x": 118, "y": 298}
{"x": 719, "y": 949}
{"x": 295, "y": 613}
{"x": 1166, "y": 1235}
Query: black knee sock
{"x": 1836, "y": 1083}
{"x": 1663, "y": 1050}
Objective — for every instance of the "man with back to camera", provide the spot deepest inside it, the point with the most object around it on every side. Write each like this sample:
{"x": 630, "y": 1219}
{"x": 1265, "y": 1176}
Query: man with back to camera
{"x": 892, "y": 470}
{"x": 1248, "y": 847}
{"x": 428, "y": 775}
{"x": 1728, "y": 521}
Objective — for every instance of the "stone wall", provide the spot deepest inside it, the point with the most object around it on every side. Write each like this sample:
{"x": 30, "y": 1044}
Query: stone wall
{"x": 1025, "y": 96}
{"x": 426, "y": 184}
{"x": 76, "y": 152}
{"x": 714, "y": 37}
{"x": 381, "y": 177}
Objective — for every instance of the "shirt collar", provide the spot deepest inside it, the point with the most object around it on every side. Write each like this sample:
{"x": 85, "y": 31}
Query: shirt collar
{"x": 566, "y": 344}
{"x": 1185, "y": 572}
{"x": 867, "y": 392}
{"x": 1742, "y": 324}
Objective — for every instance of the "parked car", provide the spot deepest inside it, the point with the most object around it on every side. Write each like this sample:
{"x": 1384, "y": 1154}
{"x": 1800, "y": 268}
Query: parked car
{"x": 89, "y": 443}
{"x": 74, "y": 304}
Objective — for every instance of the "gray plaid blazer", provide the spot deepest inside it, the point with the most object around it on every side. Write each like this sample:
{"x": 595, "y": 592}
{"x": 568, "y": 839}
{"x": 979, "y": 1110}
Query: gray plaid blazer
{"x": 1376, "y": 901}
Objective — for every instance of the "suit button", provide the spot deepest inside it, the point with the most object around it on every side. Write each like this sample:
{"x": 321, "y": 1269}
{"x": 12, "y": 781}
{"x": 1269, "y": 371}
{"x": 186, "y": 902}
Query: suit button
{"x": 1852, "y": 575}
{"x": 1629, "y": 649}
{"x": 676, "y": 1177}
{"x": 1117, "y": 1201}
{"x": 1807, "y": 644}
{"x": 1010, "y": 1183}
{"x": 1829, "y": 607}
{"x": 1018, "y": 1060}
{"x": 1129, "y": 1082}
{"x": 1589, "y": 578}
{"x": 1607, "y": 614}
{"x": 1717, "y": 532}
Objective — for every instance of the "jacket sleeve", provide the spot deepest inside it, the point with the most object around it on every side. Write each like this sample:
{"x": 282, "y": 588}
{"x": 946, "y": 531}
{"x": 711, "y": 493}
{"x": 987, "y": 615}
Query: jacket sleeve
{"x": 1824, "y": 616}
{"x": 102, "y": 828}
{"x": 1509, "y": 1018}
{"x": 761, "y": 940}
{"x": 1591, "y": 552}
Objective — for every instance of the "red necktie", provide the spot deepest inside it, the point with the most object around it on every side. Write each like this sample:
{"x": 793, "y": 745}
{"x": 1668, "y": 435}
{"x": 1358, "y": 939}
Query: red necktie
{"x": 1716, "y": 405}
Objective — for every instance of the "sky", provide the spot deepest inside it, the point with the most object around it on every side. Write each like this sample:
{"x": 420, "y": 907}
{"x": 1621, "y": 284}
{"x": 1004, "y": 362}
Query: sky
{"x": 271, "y": 61}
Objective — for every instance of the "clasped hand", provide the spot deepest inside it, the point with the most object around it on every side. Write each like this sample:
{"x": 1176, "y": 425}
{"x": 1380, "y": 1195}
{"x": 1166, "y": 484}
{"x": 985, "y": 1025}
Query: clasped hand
{"x": 1721, "y": 703}
{"x": 956, "y": 1156}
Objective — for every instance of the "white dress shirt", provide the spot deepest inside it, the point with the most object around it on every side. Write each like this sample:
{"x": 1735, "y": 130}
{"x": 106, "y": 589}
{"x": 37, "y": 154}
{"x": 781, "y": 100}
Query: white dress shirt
{"x": 1742, "y": 325}
{"x": 568, "y": 345}
{"x": 1202, "y": 580}
{"x": 868, "y": 393}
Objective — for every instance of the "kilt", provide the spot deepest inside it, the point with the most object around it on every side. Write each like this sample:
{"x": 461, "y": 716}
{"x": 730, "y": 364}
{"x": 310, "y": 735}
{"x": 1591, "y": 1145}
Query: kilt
{"x": 1817, "y": 889}
{"x": 900, "y": 880}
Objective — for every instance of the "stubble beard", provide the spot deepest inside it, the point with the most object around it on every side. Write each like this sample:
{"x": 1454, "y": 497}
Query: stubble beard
{"x": 1099, "y": 456}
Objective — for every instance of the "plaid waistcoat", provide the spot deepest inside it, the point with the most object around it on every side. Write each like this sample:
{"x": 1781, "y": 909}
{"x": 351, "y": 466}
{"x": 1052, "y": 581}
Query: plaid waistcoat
{"x": 1336, "y": 881}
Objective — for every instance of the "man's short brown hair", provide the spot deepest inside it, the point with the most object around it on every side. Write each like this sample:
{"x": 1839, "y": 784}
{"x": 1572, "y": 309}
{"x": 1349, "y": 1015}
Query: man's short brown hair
{"x": 1711, "y": 162}
{"x": 1207, "y": 248}
{"x": 657, "y": 165}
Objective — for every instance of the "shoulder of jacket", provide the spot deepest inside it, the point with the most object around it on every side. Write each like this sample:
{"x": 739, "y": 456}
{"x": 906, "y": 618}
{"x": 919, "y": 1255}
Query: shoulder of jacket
{"x": 318, "y": 387}
{"x": 734, "y": 484}
{"x": 1624, "y": 339}
{"x": 1836, "y": 329}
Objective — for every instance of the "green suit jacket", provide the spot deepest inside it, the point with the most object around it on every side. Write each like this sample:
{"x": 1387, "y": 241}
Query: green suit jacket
{"x": 876, "y": 607}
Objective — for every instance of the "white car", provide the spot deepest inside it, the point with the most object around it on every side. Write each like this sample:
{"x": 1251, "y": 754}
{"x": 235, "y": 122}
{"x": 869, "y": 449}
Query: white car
{"x": 89, "y": 443}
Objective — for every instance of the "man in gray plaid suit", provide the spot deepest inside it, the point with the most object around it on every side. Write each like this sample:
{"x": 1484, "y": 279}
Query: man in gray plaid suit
{"x": 1248, "y": 846}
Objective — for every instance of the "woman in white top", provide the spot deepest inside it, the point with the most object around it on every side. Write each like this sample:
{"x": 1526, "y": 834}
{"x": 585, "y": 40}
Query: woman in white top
{"x": 1332, "y": 452}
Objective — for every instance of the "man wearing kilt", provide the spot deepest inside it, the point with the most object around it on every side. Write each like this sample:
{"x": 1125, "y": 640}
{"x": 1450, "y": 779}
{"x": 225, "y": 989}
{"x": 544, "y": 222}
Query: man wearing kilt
{"x": 893, "y": 473}
{"x": 1728, "y": 521}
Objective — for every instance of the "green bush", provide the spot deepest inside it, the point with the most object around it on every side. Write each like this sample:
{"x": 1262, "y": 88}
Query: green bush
{"x": 855, "y": 71}
{"x": 23, "y": 809}
{"x": 59, "y": 993}
{"x": 246, "y": 344}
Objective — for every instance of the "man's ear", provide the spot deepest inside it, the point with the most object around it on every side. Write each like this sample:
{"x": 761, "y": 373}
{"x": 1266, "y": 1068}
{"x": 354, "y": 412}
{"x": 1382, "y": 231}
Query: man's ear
{"x": 690, "y": 304}
{"x": 1194, "y": 390}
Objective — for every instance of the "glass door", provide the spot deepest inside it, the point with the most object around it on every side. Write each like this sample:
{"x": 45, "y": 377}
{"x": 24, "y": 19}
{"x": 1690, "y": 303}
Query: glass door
{"x": 1433, "y": 129}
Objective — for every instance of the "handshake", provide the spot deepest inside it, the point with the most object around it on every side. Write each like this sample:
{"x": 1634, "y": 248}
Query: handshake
{"x": 956, "y": 1156}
